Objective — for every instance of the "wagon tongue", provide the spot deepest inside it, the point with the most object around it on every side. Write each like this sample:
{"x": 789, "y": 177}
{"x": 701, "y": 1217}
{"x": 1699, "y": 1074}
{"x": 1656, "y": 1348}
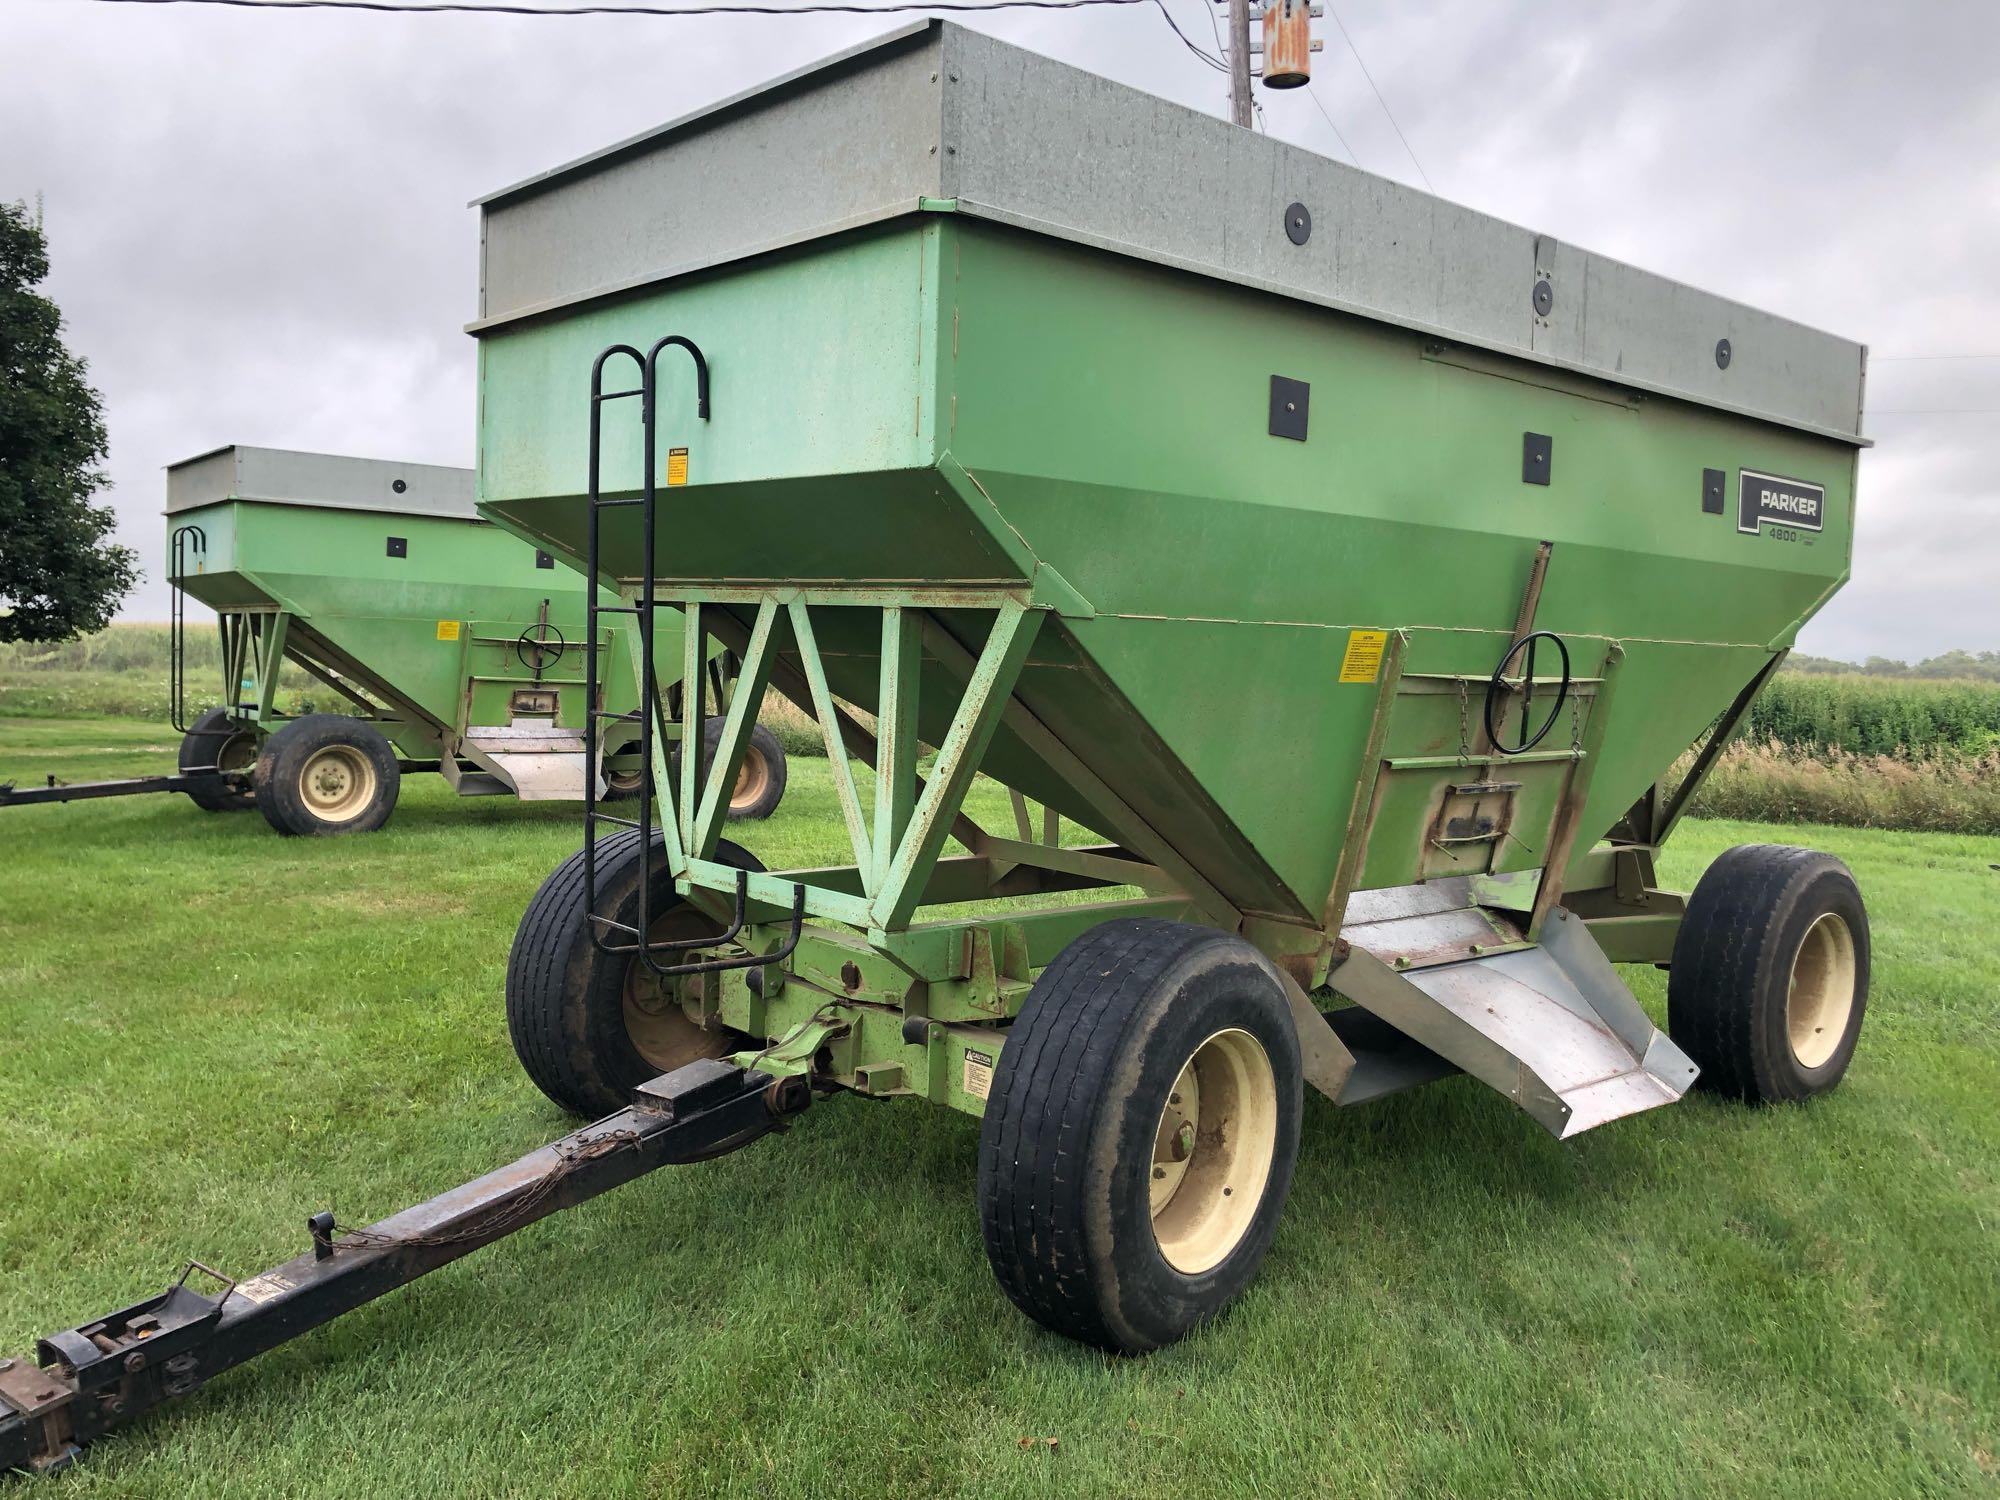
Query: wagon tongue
{"x": 87, "y": 1380}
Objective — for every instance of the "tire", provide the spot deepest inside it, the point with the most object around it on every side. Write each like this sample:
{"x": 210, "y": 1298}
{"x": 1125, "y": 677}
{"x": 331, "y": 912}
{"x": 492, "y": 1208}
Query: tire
{"x": 585, "y": 1030}
{"x": 622, "y": 785}
{"x": 760, "y": 784}
{"x": 216, "y": 742}
{"x": 327, "y": 774}
{"x": 1096, "y": 1224}
{"x": 1770, "y": 974}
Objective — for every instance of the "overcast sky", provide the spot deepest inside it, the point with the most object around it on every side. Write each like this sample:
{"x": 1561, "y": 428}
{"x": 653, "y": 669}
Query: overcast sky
{"x": 259, "y": 229}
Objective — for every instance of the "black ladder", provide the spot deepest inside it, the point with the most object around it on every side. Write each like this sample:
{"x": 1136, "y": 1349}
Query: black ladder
{"x": 609, "y": 934}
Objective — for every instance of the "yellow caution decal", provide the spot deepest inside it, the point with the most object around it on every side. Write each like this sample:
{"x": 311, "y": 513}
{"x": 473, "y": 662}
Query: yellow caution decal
{"x": 677, "y": 466}
{"x": 1363, "y": 659}
{"x": 448, "y": 630}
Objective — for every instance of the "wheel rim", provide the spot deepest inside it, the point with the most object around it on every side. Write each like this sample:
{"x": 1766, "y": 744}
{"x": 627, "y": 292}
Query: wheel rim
{"x": 751, "y": 780}
{"x": 655, "y": 1021}
{"x": 622, "y": 783}
{"x": 337, "y": 784}
{"x": 1821, "y": 998}
{"x": 237, "y": 753}
{"x": 1212, "y": 1152}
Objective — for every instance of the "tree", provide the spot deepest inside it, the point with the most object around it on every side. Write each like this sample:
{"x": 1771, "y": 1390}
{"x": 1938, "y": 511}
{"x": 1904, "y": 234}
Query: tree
{"x": 59, "y": 575}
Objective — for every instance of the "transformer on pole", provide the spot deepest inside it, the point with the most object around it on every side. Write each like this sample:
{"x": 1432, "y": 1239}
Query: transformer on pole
{"x": 1286, "y": 46}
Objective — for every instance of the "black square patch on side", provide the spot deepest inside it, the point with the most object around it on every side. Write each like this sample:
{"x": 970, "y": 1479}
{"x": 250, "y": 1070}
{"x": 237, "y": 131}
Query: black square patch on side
{"x": 1713, "y": 482}
{"x": 1537, "y": 456}
{"x": 1289, "y": 400}
{"x": 543, "y": 560}
{"x": 399, "y": 546}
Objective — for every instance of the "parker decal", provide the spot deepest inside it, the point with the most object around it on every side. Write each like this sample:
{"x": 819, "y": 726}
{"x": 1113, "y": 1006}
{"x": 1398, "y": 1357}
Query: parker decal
{"x": 1783, "y": 502}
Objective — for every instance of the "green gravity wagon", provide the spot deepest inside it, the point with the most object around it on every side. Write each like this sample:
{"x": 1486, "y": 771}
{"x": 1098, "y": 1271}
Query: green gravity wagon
{"x": 446, "y": 643}
{"x": 1341, "y": 572}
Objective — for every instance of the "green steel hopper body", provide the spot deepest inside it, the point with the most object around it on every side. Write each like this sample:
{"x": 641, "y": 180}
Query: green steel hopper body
{"x": 1335, "y": 569}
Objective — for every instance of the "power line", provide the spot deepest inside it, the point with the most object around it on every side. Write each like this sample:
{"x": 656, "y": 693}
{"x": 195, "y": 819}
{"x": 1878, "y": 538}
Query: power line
{"x": 742, "y": 8}
{"x": 495, "y": 8}
{"x": 1188, "y": 42}
{"x": 1896, "y": 359}
{"x": 1378, "y": 99}
{"x": 1933, "y": 411}
{"x": 1318, "y": 104}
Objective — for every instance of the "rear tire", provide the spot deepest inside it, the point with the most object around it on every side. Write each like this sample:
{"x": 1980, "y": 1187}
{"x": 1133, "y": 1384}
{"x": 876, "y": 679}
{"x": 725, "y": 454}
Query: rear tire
{"x": 760, "y": 782}
{"x": 216, "y": 742}
{"x": 1770, "y": 974}
{"x": 589, "y": 1026}
{"x": 1140, "y": 1136}
{"x": 327, "y": 774}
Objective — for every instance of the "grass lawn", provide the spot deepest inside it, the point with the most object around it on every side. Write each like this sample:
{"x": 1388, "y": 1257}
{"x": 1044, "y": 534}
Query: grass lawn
{"x": 207, "y": 1031}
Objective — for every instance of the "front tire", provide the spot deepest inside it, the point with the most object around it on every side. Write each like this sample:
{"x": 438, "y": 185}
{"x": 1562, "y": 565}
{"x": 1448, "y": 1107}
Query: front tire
{"x": 327, "y": 774}
{"x": 1770, "y": 974}
{"x": 589, "y": 1026}
{"x": 1140, "y": 1136}
{"x": 215, "y": 742}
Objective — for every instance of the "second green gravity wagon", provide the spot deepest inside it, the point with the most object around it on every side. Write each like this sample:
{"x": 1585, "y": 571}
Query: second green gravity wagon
{"x": 447, "y": 643}
{"x": 1335, "y": 576}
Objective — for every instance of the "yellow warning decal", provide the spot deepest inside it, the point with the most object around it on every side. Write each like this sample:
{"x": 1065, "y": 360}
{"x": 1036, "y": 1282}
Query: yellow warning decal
{"x": 447, "y": 630}
{"x": 1363, "y": 661}
{"x": 677, "y": 466}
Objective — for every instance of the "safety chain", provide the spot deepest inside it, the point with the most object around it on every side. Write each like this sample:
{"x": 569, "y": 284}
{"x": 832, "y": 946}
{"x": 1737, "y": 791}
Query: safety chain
{"x": 517, "y": 1210}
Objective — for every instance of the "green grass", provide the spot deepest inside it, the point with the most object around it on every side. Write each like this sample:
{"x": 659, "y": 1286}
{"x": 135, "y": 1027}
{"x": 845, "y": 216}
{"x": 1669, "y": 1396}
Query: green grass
{"x": 207, "y": 1032}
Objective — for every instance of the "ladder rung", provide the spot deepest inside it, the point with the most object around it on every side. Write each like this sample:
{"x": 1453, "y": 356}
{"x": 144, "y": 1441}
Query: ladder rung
{"x": 609, "y": 504}
{"x": 605, "y": 817}
{"x": 611, "y": 713}
{"x": 614, "y": 609}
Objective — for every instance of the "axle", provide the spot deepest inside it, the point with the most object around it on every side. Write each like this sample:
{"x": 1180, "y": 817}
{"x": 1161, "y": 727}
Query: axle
{"x": 90, "y": 1379}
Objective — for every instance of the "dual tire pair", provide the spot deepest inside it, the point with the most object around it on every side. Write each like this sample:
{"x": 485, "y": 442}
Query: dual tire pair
{"x": 1143, "y": 1123}
{"x": 317, "y": 775}
{"x": 331, "y": 774}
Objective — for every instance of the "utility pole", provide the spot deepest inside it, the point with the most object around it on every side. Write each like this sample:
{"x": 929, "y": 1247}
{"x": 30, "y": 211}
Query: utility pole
{"x": 1239, "y": 62}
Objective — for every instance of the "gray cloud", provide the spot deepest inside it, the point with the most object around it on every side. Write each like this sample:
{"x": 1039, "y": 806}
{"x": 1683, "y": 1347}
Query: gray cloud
{"x": 259, "y": 230}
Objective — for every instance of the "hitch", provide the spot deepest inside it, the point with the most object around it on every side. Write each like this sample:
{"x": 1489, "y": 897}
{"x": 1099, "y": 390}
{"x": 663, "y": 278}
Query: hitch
{"x": 88, "y": 1380}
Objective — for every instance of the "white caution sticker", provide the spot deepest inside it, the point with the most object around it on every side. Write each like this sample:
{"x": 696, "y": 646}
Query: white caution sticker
{"x": 978, "y": 1073}
{"x": 265, "y": 1288}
